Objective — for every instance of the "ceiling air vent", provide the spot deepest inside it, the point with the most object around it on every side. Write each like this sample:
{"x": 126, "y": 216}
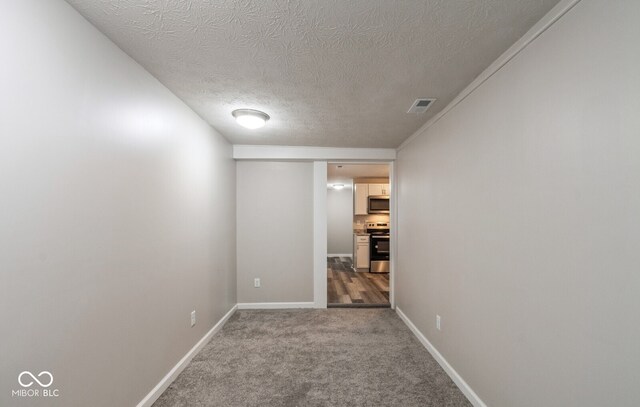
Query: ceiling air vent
{"x": 421, "y": 105}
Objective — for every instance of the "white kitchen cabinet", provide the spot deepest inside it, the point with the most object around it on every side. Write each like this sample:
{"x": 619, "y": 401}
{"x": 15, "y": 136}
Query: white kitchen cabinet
{"x": 361, "y": 250}
{"x": 360, "y": 195}
{"x": 378, "y": 189}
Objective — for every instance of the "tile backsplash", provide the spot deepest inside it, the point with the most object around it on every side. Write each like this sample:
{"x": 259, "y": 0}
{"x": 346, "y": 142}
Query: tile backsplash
{"x": 360, "y": 221}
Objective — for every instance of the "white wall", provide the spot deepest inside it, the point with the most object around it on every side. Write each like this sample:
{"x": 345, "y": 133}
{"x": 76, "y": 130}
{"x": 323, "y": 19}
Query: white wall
{"x": 340, "y": 221}
{"x": 275, "y": 231}
{"x": 519, "y": 220}
{"x": 117, "y": 214}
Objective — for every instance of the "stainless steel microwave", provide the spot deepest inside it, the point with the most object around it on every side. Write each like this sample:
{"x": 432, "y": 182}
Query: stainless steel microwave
{"x": 378, "y": 204}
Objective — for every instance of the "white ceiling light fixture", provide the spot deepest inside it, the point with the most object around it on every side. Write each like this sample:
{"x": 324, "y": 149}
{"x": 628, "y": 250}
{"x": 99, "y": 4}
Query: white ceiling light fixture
{"x": 251, "y": 119}
{"x": 337, "y": 186}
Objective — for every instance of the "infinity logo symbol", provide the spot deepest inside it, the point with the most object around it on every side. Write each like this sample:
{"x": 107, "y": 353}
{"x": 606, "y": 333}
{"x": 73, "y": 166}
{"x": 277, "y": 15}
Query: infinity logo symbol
{"x": 35, "y": 379}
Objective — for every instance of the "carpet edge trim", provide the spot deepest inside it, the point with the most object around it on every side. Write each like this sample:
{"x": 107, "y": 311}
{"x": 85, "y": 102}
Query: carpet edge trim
{"x": 166, "y": 381}
{"x": 457, "y": 379}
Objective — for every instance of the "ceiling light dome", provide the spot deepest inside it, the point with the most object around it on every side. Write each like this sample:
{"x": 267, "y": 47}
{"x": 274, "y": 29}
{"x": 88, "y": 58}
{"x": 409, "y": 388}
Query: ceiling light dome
{"x": 249, "y": 118}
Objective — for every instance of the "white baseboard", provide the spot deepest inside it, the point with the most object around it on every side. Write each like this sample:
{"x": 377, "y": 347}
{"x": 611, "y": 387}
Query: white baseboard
{"x": 275, "y": 305}
{"x": 340, "y": 255}
{"x": 166, "y": 381}
{"x": 457, "y": 379}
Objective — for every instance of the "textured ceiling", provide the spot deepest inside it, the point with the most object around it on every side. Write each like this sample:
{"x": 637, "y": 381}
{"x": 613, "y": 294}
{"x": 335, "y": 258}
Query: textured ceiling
{"x": 345, "y": 173}
{"x": 334, "y": 73}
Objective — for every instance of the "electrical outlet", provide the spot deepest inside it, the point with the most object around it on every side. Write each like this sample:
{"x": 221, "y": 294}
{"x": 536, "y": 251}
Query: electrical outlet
{"x": 256, "y": 282}
{"x": 193, "y": 318}
{"x": 438, "y": 322}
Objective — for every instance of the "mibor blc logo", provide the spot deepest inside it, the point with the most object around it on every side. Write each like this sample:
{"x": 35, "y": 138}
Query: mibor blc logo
{"x": 35, "y": 385}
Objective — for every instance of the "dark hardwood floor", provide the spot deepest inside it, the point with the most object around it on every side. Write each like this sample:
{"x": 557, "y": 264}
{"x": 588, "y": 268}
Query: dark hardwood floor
{"x": 346, "y": 288}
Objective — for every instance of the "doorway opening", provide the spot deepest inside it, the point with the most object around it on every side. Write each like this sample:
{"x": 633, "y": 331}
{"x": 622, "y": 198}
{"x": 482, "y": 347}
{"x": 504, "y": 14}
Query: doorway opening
{"x": 358, "y": 235}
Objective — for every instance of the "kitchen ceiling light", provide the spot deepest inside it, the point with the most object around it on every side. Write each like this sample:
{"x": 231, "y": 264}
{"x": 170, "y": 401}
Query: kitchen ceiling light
{"x": 249, "y": 118}
{"x": 338, "y": 186}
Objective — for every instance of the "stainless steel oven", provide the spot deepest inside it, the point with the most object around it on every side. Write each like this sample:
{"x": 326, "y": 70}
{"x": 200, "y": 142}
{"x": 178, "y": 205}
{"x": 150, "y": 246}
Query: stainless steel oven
{"x": 379, "y": 247}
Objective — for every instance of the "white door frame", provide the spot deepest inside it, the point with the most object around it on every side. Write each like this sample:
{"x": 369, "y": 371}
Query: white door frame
{"x": 320, "y": 156}
{"x": 393, "y": 219}
{"x": 320, "y": 234}
{"x": 320, "y": 229}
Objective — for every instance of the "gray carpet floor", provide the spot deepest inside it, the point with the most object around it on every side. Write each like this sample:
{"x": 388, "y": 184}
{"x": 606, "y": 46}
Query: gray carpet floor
{"x": 332, "y": 357}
